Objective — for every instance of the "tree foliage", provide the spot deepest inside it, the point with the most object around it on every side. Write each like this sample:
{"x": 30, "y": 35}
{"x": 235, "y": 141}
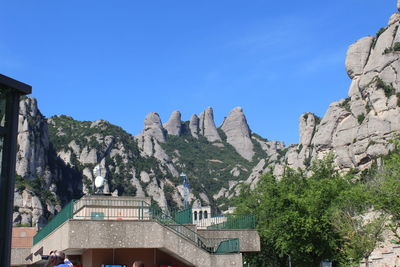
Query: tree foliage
{"x": 318, "y": 214}
{"x": 387, "y": 190}
{"x": 358, "y": 222}
{"x": 295, "y": 215}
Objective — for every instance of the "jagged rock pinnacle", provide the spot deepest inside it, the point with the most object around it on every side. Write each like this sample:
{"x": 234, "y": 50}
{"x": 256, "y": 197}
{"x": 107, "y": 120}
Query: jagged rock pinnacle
{"x": 174, "y": 125}
{"x": 153, "y": 127}
{"x": 207, "y": 126}
{"x": 307, "y": 128}
{"x": 238, "y": 133}
{"x": 194, "y": 126}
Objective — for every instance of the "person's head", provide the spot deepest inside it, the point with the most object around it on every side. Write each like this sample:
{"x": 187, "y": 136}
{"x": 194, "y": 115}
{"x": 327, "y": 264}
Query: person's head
{"x": 138, "y": 264}
{"x": 60, "y": 254}
{"x": 55, "y": 258}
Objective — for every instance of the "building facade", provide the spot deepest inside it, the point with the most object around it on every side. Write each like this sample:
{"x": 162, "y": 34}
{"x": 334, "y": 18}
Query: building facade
{"x": 104, "y": 230}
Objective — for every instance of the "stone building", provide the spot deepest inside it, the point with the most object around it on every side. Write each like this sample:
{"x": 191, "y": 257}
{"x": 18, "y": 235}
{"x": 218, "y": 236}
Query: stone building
{"x": 100, "y": 230}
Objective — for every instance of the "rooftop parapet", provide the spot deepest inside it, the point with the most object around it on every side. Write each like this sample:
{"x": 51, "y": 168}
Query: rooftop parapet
{"x": 91, "y": 208}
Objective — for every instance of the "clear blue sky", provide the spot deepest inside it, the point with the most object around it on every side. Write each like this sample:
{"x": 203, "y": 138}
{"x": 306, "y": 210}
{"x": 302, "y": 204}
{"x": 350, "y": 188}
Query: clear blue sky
{"x": 119, "y": 60}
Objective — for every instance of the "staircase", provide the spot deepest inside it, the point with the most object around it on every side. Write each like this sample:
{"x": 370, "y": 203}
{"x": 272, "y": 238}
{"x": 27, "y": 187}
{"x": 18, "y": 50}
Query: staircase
{"x": 211, "y": 245}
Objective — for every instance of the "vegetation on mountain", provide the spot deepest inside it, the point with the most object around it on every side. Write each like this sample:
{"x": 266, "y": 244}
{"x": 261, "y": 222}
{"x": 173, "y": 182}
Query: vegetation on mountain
{"x": 317, "y": 215}
{"x": 63, "y": 130}
{"x": 387, "y": 188}
{"x": 207, "y": 166}
{"x": 387, "y": 88}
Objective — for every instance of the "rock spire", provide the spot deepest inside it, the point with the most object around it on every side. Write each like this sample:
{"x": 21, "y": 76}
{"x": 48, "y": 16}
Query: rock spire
{"x": 207, "y": 126}
{"x": 238, "y": 133}
{"x": 174, "y": 125}
{"x": 153, "y": 127}
{"x": 194, "y": 126}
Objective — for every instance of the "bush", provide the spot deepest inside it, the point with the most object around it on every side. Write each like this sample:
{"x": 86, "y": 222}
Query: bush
{"x": 346, "y": 104}
{"x": 361, "y": 118}
{"x": 396, "y": 46}
{"x": 387, "y": 50}
{"x": 387, "y": 88}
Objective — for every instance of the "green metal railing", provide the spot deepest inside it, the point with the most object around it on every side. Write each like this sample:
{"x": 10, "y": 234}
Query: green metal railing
{"x": 211, "y": 245}
{"x": 113, "y": 209}
{"x": 64, "y": 215}
{"x": 228, "y": 245}
{"x": 184, "y": 216}
{"x": 236, "y": 222}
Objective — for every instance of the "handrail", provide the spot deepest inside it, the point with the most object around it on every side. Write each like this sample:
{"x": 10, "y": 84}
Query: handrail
{"x": 211, "y": 245}
{"x": 236, "y": 222}
{"x": 100, "y": 209}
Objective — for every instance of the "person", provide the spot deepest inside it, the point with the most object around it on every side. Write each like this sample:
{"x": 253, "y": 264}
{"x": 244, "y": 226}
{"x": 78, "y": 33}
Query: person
{"x": 138, "y": 264}
{"x": 57, "y": 259}
{"x": 66, "y": 260}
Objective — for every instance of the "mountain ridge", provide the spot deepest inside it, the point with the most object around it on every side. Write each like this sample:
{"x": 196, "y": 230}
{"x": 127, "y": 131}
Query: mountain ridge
{"x": 56, "y": 155}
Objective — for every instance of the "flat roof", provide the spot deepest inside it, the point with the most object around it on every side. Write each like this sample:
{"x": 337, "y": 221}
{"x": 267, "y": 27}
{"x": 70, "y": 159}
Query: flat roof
{"x": 22, "y": 88}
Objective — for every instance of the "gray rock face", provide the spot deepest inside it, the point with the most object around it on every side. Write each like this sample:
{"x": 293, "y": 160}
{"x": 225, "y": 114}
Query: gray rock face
{"x": 207, "y": 126}
{"x": 394, "y": 18}
{"x": 307, "y": 128}
{"x": 368, "y": 116}
{"x": 238, "y": 133}
{"x": 150, "y": 138}
{"x": 32, "y": 159}
{"x": 173, "y": 126}
{"x": 153, "y": 133}
{"x": 256, "y": 173}
{"x": 157, "y": 193}
{"x": 88, "y": 156}
{"x": 323, "y": 137}
{"x": 270, "y": 147}
{"x": 194, "y": 126}
{"x": 139, "y": 189}
{"x": 153, "y": 127}
{"x": 32, "y": 140}
{"x": 357, "y": 56}
{"x": 144, "y": 177}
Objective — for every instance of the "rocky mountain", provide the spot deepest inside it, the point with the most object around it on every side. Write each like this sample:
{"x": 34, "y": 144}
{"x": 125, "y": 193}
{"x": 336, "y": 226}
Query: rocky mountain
{"x": 56, "y": 156}
{"x": 355, "y": 129}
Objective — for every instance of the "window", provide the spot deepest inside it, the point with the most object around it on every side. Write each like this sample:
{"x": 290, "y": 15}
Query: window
{"x": 195, "y": 215}
{"x": 205, "y": 214}
{"x": 200, "y": 215}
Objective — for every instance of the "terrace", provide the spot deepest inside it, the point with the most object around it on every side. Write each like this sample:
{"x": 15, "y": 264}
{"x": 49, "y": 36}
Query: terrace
{"x": 121, "y": 222}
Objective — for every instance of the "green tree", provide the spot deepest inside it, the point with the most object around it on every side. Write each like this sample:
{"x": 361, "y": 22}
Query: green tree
{"x": 294, "y": 215}
{"x": 358, "y": 223}
{"x": 387, "y": 190}
{"x": 361, "y": 232}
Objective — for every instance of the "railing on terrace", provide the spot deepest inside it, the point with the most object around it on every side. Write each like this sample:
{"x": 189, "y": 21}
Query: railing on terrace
{"x": 113, "y": 209}
{"x": 206, "y": 222}
{"x": 236, "y": 222}
{"x": 212, "y": 245}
